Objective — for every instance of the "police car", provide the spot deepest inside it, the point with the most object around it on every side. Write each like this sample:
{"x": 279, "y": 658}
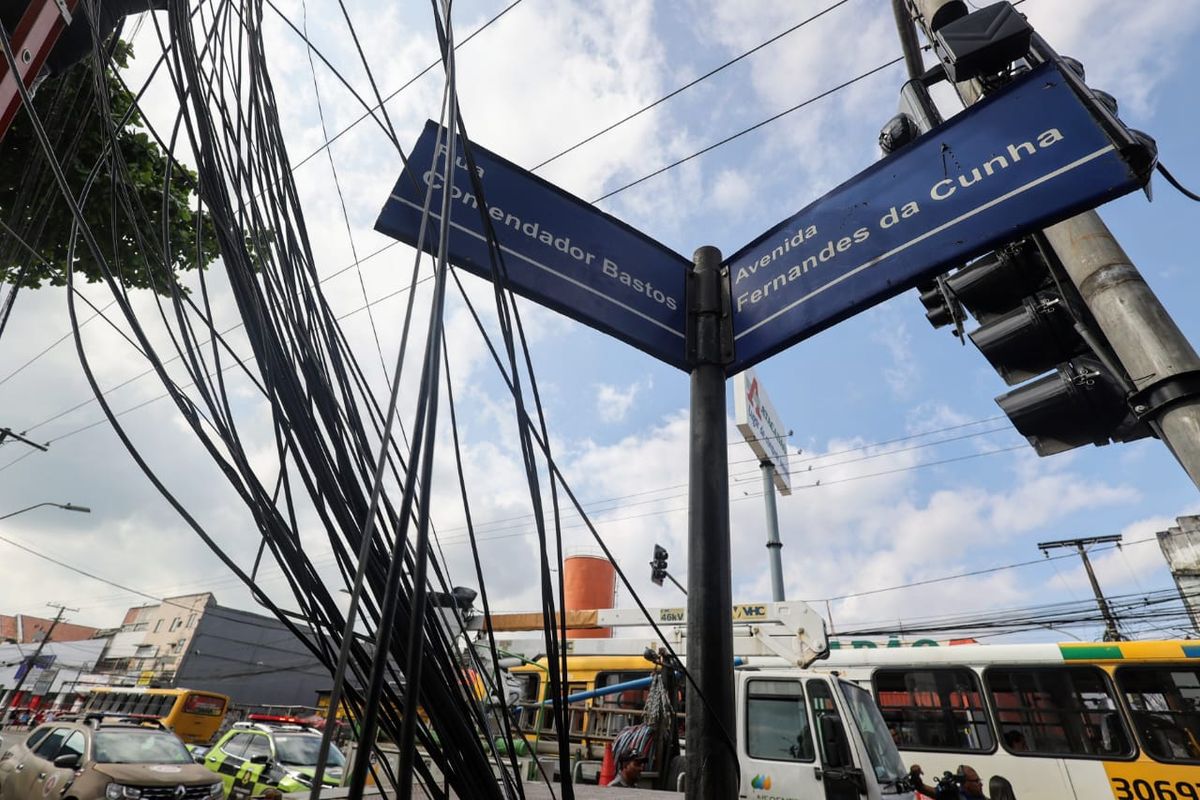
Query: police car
{"x": 267, "y": 752}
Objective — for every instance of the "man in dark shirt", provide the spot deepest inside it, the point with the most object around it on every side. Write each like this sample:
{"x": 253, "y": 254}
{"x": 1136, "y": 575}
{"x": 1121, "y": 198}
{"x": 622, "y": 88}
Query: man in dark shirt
{"x": 629, "y": 768}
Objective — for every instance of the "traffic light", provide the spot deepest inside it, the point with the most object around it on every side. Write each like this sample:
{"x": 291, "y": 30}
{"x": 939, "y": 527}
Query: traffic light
{"x": 1034, "y": 327}
{"x": 658, "y": 566}
{"x": 1032, "y": 322}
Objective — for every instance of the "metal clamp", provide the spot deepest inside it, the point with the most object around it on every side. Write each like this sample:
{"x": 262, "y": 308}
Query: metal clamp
{"x": 1148, "y": 403}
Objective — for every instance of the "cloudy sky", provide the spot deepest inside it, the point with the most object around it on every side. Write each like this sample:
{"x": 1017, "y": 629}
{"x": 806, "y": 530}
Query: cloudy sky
{"x": 905, "y": 470}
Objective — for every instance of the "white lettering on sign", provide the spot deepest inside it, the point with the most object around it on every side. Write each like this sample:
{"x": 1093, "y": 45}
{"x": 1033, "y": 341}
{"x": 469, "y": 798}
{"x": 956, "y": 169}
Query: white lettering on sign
{"x": 828, "y": 252}
{"x": 563, "y": 244}
{"x": 948, "y": 186}
{"x": 804, "y": 259}
{"x": 784, "y": 247}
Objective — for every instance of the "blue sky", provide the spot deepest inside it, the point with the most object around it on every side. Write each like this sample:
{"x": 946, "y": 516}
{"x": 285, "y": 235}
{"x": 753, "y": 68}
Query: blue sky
{"x": 542, "y": 78}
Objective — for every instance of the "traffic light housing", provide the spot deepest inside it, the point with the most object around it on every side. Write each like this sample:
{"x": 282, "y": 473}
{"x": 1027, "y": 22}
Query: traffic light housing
{"x": 658, "y": 566}
{"x": 1032, "y": 321}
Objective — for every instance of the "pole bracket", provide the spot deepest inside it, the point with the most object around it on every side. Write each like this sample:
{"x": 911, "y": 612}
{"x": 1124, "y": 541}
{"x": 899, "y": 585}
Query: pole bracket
{"x": 1150, "y": 402}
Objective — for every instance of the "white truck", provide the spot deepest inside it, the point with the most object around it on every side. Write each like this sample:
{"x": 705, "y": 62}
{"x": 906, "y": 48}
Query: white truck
{"x": 801, "y": 734}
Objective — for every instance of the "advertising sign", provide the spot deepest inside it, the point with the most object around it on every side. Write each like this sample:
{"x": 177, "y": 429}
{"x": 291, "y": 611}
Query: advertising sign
{"x": 558, "y": 249}
{"x": 45, "y": 680}
{"x": 1027, "y": 156}
{"x": 761, "y": 427}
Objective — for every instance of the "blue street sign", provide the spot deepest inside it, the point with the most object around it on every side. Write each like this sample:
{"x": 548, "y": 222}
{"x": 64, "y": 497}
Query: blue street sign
{"x": 558, "y": 250}
{"x": 1028, "y": 156}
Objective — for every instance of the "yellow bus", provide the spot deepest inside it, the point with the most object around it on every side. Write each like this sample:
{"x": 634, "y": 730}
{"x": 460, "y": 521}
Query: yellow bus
{"x": 1043, "y": 721}
{"x": 194, "y": 716}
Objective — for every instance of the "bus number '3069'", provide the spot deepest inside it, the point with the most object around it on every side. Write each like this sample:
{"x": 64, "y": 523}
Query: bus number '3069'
{"x": 1159, "y": 790}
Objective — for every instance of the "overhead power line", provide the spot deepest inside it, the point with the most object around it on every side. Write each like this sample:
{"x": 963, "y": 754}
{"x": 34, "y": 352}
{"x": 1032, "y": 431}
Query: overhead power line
{"x": 689, "y": 85}
{"x": 754, "y": 127}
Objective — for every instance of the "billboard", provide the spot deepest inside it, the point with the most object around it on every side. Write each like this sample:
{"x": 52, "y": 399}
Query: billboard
{"x": 761, "y": 426}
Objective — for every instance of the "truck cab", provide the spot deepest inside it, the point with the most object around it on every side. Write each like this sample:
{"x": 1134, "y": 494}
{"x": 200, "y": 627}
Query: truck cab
{"x": 812, "y": 736}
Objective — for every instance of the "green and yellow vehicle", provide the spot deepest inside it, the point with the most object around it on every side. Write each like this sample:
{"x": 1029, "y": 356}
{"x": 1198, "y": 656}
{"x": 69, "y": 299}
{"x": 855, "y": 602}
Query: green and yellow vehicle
{"x": 267, "y": 752}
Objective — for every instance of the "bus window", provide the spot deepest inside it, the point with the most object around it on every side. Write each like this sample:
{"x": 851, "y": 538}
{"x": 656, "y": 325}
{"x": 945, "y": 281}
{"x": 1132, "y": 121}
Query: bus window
{"x": 934, "y": 709}
{"x": 630, "y": 698}
{"x": 163, "y": 705}
{"x": 575, "y": 711}
{"x": 206, "y": 704}
{"x": 1166, "y": 710}
{"x": 1057, "y": 711}
{"x": 777, "y": 722}
{"x": 612, "y": 719}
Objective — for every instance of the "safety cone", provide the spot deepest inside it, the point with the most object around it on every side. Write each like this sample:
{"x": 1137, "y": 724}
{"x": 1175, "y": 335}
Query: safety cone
{"x": 608, "y": 769}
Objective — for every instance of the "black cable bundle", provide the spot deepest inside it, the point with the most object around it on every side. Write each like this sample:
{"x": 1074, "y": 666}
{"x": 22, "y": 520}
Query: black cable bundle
{"x": 334, "y": 441}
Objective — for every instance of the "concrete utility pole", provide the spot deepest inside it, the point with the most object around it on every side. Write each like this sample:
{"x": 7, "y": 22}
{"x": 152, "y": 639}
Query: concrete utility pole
{"x": 33, "y": 659}
{"x": 1162, "y": 364}
{"x": 1111, "y": 634}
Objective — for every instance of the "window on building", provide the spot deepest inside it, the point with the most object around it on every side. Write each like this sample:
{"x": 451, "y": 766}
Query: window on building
{"x": 174, "y": 624}
{"x": 1057, "y": 711}
{"x": 1165, "y": 702}
{"x": 934, "y": 709}
{"x": 191, "y": 621}
{"x": 157, "y": 625}
{"x": 777, "y": 726}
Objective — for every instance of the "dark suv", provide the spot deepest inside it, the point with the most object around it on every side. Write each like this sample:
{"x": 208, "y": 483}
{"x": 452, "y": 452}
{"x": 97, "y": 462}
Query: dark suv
{"x": 103, "y": 759}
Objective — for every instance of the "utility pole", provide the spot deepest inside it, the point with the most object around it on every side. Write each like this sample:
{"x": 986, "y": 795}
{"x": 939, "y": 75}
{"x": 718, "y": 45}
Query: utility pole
{"x": 1161, "y": 363}
{"x": 9, "y": 433}
{"x": 33, "y": 659}
{"x": 1111, "y": 634}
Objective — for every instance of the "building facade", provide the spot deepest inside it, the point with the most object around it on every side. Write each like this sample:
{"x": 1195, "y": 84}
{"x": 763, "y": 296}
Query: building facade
{"x": 27, "y": 629}
{"x": 1181, "y": 547}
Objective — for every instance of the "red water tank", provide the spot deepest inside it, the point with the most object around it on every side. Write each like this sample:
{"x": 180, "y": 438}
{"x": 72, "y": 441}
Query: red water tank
{"x": 589, "y": 582}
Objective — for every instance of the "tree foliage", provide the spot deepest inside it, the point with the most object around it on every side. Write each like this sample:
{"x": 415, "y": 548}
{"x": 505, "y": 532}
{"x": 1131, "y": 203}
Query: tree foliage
{"x": 139, "y": 206}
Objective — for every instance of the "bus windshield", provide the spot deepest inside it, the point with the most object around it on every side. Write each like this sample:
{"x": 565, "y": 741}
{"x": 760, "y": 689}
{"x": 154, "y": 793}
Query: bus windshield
{"x": 881, "y": 750}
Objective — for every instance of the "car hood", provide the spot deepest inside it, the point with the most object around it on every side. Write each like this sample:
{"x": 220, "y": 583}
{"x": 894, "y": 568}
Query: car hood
{"x": 156, "y": 774}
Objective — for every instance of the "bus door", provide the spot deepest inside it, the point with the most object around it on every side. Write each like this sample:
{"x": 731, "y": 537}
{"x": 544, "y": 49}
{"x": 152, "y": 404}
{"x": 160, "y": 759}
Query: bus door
{"x": 776, "y": 746}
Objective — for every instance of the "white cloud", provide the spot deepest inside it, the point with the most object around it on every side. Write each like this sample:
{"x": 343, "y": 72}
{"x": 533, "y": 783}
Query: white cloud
{"x": 732, "y": 192}
{"x": 614, "y": 403}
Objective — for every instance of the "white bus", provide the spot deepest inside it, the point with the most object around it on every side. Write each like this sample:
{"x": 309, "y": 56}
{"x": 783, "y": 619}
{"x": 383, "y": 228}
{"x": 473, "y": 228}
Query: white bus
{"x": 1043, "y": 721}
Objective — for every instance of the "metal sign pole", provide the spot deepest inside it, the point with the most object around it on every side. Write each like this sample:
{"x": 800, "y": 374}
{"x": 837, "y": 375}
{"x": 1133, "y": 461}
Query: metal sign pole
{"x": 712, "y": 766}
{"x": 774, "y": 546}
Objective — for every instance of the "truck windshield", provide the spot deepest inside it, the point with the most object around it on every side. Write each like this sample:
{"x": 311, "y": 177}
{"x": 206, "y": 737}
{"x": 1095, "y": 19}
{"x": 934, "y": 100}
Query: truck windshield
{"x": 885, "y": 759}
